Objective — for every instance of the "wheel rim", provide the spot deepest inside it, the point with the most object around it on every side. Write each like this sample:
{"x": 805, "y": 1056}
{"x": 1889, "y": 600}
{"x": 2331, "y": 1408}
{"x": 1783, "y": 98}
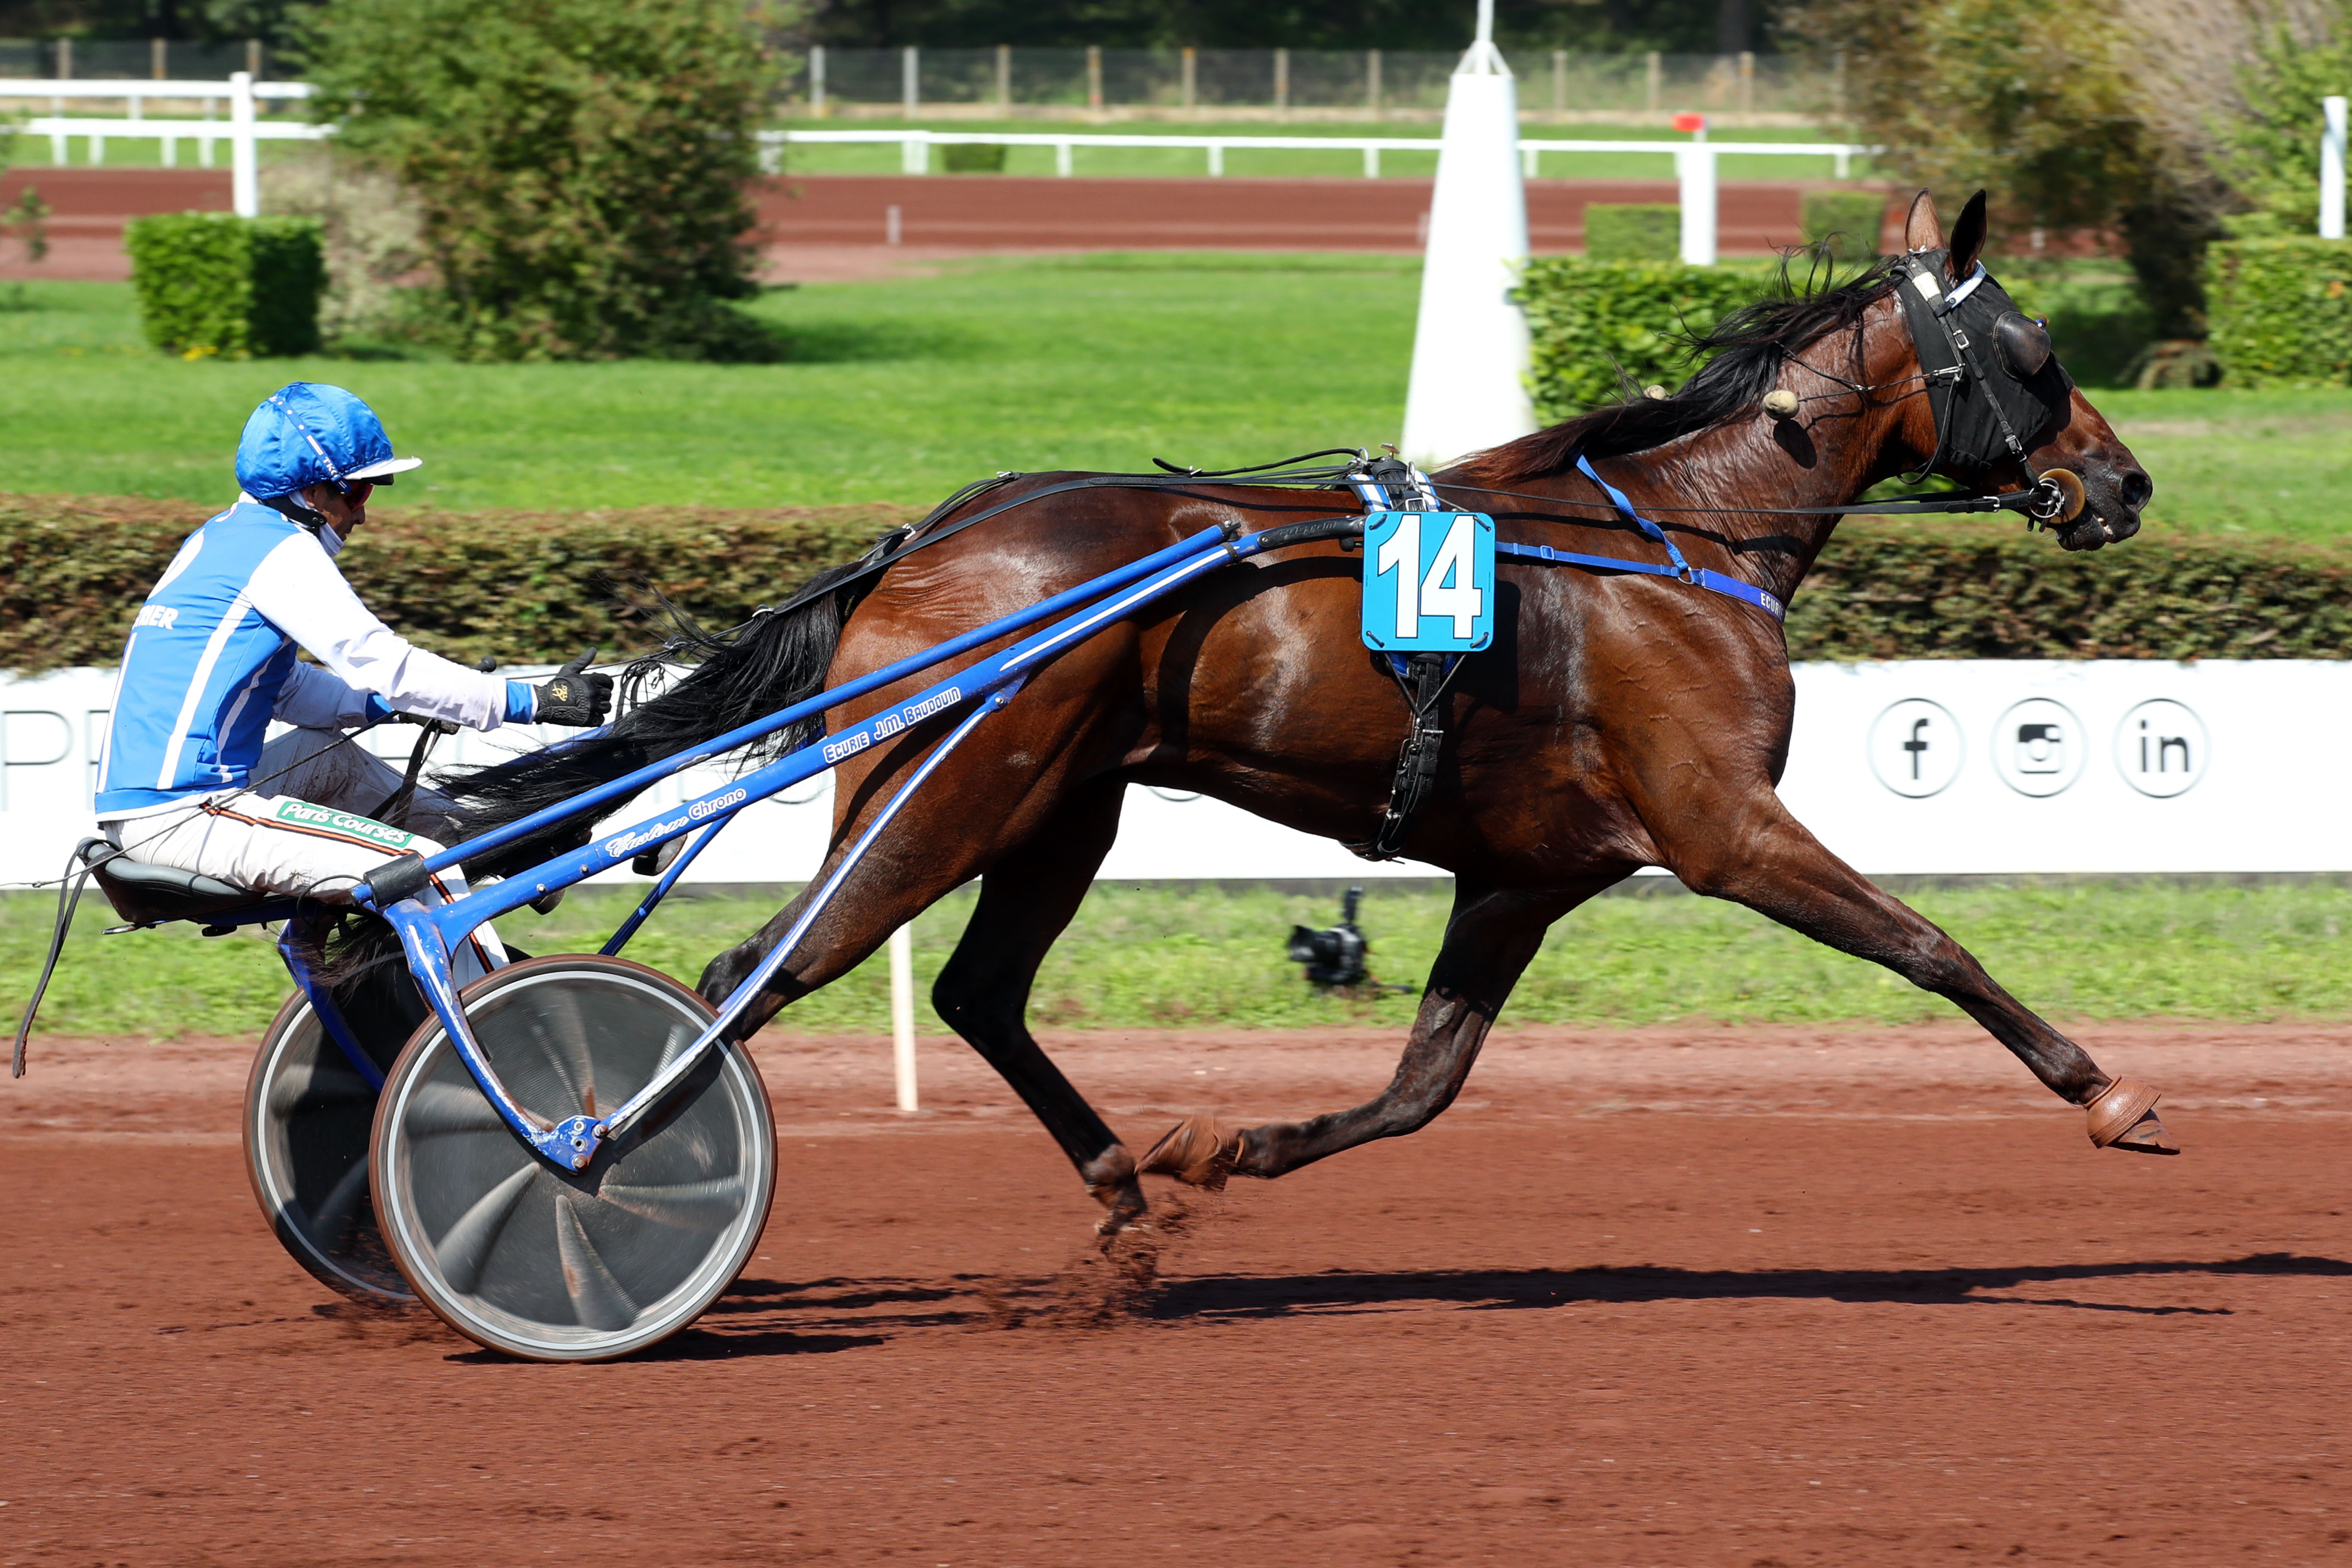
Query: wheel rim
{"x": 554, "y": 1265}
{"x": 309, "y": 1114}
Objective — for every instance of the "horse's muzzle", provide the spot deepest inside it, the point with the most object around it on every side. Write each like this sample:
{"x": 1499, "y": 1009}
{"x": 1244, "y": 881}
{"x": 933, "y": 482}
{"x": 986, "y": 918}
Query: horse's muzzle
{"x": 2111, "y": 513}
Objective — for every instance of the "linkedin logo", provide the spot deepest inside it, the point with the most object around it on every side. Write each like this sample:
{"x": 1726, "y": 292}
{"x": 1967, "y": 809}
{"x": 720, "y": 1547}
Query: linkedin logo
{"x": 2161, "y": 748}
{"x": 1915, "y": 748}
{"x": 2038, "y": 747}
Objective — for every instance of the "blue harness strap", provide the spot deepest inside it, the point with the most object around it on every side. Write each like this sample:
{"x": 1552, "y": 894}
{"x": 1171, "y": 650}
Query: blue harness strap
{"x": 1375, "y": 498}
{"x": 1682, "y": 570}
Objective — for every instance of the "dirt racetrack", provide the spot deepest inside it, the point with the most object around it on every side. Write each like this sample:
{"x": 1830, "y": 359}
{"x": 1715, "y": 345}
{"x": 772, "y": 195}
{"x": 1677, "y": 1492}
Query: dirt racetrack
{"x": 1748, "y": 1298}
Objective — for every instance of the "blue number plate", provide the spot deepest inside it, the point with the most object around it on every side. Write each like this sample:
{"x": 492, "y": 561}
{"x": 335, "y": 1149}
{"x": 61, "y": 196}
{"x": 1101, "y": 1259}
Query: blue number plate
{"x": 1428, "y": 582}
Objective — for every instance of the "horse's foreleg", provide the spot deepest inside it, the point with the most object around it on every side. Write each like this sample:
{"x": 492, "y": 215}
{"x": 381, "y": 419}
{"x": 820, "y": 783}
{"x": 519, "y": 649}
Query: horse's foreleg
{"x": 1489, "y": 941}
{"x": 1025, "y": 900}
{"x": 1755, "y": 854}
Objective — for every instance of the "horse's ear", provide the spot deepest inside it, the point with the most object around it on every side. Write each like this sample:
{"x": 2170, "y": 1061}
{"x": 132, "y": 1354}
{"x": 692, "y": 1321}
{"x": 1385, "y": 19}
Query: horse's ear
{"x": 1921, "y": 231}
{"x": 1968, "y": 237}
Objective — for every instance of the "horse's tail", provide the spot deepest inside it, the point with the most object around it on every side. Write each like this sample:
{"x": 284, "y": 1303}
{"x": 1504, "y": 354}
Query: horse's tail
{"x": 732, "y": 678}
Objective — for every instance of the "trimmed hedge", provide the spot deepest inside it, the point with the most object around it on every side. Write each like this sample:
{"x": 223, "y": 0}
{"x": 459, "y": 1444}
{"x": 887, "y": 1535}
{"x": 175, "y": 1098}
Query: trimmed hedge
{"x": 524, "y": 586}
{"x": 1850, "y": 220}
{"x": 212, "y": 283}
{"x": 2279, "y": 312}
{"x": 1633, "y": 232}
{"x": 1589, "y": 317}
{"x": 973, "y": 158}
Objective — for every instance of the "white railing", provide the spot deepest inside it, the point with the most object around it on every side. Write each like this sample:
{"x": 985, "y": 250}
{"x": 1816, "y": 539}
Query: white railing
{"x": 1695, "y": 161}
{"x": 914, "y": 146}
{"x": 242, "y": 130}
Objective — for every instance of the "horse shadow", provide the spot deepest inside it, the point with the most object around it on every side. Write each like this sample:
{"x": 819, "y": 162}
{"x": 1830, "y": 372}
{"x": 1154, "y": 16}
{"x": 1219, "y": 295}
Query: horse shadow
{"x": 1246, "y": 1297}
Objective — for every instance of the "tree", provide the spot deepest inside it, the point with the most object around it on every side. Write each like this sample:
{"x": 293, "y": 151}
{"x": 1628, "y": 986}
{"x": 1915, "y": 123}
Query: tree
{"x": 2091, "y": 117}
{"x": 2269, "y": 149}
{"x": 579, "y": 166}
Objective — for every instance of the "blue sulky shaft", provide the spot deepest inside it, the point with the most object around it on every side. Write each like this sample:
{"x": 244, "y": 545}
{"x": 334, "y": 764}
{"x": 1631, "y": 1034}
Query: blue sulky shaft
{"x": 429, "y": 933}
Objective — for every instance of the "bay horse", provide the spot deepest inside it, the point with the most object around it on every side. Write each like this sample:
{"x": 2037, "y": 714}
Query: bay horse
{"x": 1617, "y": 722}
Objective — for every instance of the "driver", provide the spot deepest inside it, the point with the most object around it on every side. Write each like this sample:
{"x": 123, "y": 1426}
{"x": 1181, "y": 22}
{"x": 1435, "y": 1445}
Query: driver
{"x": 186, "y": 781}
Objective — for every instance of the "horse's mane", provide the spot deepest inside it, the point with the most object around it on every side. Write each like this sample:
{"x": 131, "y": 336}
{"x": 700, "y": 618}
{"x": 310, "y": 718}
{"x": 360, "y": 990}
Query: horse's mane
{"x": 1748, "y": 347}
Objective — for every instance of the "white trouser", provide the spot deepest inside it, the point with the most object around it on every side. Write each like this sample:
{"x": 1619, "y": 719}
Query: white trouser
{"x": 304, "y": 830}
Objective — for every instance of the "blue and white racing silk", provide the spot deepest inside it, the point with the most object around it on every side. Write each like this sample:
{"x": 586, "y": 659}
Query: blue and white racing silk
{"x": 210, "y": 662}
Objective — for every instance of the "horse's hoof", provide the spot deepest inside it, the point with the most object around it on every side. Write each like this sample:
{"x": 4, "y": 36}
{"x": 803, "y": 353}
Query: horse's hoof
{"x": 1196, "y": 1151}
{"x": 2123, "y": 1116}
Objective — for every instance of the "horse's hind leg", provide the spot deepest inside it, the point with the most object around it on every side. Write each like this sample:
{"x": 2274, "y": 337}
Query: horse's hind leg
{"x": 1755, "y": 854}
{"x": 1025, "y": 900}
{"x": 1489, "y": 941}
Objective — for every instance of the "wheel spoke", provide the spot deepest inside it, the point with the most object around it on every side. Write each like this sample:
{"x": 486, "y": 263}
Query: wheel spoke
{"x": 561, "y": 1030}
{"x": 596, "y": 1297}
{"x": 440, "y": 1108}
{"x": 326, "y": 1083}
{"x": 333, "y": 1215}
{"x": 708, "y": 1206}
{"x": 466, "y": 1246}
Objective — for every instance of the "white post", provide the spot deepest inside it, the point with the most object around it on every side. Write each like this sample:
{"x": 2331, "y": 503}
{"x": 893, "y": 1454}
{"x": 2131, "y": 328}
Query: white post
{"x": 245, "y": 183}
{"x": 1216, "y": 159}
{"x": 171, "y": 151}
{"x": 1468, "y": 388}
{"x": 817, "y": 81}
{"x": 1062, "y": 159}
{"x": 909, "y": 82}
{"x": 902, "y": 1015}
{"x": 1694, "y": 169}
{"x": 1372, "y": 163}
{"x": 891, "y": 228}
{"x": 2331, "y": 171}
{"x": 915, "y": 153}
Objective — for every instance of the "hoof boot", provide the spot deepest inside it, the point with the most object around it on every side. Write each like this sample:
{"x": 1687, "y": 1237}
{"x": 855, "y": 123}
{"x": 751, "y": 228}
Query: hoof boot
{"x": 2124, "y": 1117}
{"x": 1196, "y": 1151}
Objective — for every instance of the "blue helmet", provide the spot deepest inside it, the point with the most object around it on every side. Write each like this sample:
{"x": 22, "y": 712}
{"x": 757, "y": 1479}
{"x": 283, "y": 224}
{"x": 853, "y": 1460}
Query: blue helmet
{"x": 307, "y": 433}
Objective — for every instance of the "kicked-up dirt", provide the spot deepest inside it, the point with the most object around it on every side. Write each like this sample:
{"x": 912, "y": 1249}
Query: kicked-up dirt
{"x": 1750, "y": 1298}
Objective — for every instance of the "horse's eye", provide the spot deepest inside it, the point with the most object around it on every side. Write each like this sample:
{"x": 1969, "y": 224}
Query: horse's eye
{"x": 2024, "y": 344}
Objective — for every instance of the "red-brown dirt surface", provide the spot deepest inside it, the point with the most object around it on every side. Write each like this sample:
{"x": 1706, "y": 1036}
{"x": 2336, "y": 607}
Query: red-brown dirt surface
{"x": 822, "y": 227}
{"x": 1661, "y": 1297}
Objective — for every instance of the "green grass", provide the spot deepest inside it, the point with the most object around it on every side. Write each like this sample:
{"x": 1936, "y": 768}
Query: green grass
{"x": 898, "y": 391}
{"x": 1150, "y": 956}
{"x": 1190, "y": 163}
{"x": 901, "y": 391}
{"x": 33, "y": 153}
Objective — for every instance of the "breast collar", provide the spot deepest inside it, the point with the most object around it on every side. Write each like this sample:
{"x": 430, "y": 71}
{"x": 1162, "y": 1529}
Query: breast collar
{"x": 1986, "y": 413}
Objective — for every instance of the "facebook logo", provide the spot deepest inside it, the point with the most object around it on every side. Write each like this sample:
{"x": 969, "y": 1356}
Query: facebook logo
{"x": 1915, "y": 748}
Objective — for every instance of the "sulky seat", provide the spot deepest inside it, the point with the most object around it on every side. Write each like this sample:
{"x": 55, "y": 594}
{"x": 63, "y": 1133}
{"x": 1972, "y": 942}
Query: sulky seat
{"x": 149, "y": 895}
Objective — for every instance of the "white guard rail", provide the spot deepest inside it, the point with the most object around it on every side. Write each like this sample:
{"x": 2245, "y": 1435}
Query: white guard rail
{"x": 242, "y": 131}
{"x": 1922, "y": 766}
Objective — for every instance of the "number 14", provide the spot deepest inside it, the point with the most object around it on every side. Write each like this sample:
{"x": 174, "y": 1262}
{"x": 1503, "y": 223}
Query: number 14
{"x": 1450, "y": 588}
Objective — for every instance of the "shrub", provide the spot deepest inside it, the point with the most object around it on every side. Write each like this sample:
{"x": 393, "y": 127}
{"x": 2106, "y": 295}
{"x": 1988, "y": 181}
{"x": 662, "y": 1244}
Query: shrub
{"x": 2279, "y": 312}
{"x": 526, "y": 586}
{"x": 972, "y": 157}
{"x": 371, "y": 235}
{"x": 1633, "y": 232}
{"x": 210, "y": 283}
{"x": 521, "y": 586}
{"x": 580, "y": 167}
{"x": 1590, "y": 318}
{"x": 1850, "y": 221}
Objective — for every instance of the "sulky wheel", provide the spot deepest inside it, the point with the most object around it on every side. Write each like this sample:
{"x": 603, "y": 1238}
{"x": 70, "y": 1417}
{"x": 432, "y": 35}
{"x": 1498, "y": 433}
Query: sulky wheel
{"x": 555, "y": 1265}
{"x": 308, "y": 1112}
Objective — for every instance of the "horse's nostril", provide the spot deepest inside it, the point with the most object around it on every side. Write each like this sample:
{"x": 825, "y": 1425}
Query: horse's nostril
{"x": 2136, "y": 489}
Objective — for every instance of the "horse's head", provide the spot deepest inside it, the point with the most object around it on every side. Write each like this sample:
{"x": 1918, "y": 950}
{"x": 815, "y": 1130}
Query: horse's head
{"x": 2000, "y": 410}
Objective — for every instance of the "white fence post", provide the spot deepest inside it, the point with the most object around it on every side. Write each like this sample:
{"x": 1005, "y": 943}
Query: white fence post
{"x": 915, "y": 153}
{"x": 902, "y": 1017}
{"x": 244, "y": 181}
{"x": 1695, "y": 170}
{"x": 910, "y": 87}
{"x": 817, "y": 81}
{"x": 2331, "y": 171}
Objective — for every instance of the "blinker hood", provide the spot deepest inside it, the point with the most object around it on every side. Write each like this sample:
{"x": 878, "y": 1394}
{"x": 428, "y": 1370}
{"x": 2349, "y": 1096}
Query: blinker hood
{"x": 1992, "y": 383}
